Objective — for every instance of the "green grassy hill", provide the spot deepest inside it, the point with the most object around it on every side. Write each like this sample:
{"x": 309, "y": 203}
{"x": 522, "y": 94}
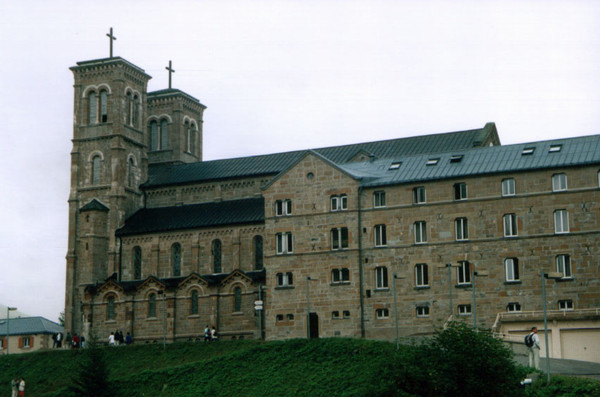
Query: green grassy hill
{"x": 457, "y": 362}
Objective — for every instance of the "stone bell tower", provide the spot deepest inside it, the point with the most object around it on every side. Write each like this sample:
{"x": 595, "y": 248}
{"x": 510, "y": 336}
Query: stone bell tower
{"x": 108, "y": 163}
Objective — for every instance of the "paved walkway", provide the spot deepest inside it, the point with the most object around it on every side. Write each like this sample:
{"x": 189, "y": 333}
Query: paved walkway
{"x": 560, "y": 366}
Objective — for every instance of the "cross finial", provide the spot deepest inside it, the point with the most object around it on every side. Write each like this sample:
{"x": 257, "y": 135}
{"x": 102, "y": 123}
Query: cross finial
{"x": 112, "y": 38}
{"x": 171, "y": 71}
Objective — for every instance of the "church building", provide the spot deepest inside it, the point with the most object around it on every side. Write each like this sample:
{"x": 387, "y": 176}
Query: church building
{"x": 373, "y": 240}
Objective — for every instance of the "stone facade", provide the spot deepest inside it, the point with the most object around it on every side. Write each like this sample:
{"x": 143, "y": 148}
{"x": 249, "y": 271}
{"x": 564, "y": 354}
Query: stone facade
{"x": 334, "y": 241}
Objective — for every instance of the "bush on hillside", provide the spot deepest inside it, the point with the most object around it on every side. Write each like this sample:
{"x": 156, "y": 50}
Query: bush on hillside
{"x": 91, "y": 380}
{"x": 461, "y": 362}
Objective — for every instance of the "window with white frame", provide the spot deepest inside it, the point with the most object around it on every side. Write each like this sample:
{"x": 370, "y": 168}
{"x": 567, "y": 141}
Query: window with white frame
{"x": 510, "y": 225}
{"x": 563, "y": 265}
{"x": 420, "y": 232}
{"x": 419, "y": 196}
{"x": 461, "y": 228}
{"x": 285, "y": 243}
{"x": 513, "y": 307}
{"x": 511, "y": 266}
{"x": 285, "y": 279}
{"x": 460, "y": 191}
{"x": 565, "y": 304}
{"x": 380, "y": 236}
{"x": 339, "y": 238}
{"x": 421, "y": 275}
{"x": 379, "y": 199}
{"x": 339, "y": 276}
{"x": 464, "y": 310}
{"x": 463, "y": 272}
{"x": 381, "y": 277}
{"x": 382, "y": 313}
{"x": 508, "y": 187}
{"x": 283, "y": 207}
{"x": 559, "y": 182}
{"x": 422, "y": 311}
{"x": 339, "y": 202}
{"x": 25, "y": 342}
{"x": 561, "y": 221}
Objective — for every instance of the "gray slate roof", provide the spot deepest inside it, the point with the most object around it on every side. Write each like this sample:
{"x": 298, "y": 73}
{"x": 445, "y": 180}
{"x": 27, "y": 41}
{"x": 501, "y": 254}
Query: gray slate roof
{"x": 153, "y": 220}
{"x": 30, "y": 326}
{"x": 272, "y": 164}
{"x": 480, "y": 161}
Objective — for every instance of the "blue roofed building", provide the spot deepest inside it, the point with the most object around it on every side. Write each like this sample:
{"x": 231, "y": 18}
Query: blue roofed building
{"x": 27, "y": 334}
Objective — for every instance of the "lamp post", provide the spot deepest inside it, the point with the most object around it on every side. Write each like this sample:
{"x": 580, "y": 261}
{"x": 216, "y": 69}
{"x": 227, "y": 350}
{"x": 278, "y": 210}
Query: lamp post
{"x": 164, "y": 296}
{"x": 396, "y": 277}
{"x": 8, "y": 310}
{"x": 474, "y": 274}
{"x": 551, "y": 276}
{"x": 450, "y": 266}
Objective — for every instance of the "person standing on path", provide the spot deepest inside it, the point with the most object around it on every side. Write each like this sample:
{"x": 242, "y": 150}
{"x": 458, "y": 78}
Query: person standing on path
{"x": 534, "y": 349}
{"x": 22, "y": 388}
{"x": 14, "y": 386}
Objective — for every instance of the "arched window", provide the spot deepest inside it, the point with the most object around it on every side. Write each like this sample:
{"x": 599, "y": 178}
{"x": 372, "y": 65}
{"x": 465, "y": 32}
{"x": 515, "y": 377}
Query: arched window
{"x": 194, "y": 302}
{"x": 237, "y": 299}
{"x": 154, "y": 135}
{"x": 258, "y": 253}
{"x": 193, "y": 139}
{"x": 131, "y": 173}
{"x": 103, "y": 106}
{"x": 186, "y": 136}
{"x": 93, "y": 108}
{"x": 137, "y": 263}
{"x": 96, "y": 163}
{"x": 152, "y": 305}
{"x": 110, "y": 308}
{"x": 176, "y": 259}
{"x": 164, "y": 134}
{"x": 216, "y": 254}
{"x": 129, "y": 101}
{"x": 136, "y": 109}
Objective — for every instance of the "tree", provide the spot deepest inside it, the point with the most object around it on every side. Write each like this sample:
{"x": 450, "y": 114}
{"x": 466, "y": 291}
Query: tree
{"x": 92, "y": 379}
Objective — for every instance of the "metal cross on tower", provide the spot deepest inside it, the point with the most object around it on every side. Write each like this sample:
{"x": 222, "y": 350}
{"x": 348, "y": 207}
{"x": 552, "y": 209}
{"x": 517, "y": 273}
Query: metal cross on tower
{"x": 112, "y": 38}
{"x": 171, "y": 71}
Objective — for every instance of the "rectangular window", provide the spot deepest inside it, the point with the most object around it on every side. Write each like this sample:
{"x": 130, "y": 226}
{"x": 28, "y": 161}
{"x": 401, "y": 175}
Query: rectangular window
{"x": 559, "y": 182}
{"x": 565, "y": 304}
{"x": 380, "y": 236}
{"x": 513, "y": 307}
{"x": 346, "y": 313}
{"x": 460, "y": 191}
{"x": 508, "y": 187}
{"x": 285, "y": 243}
{"x": 26, "y": 342}
{"x": 419, "y": 195}
{"x": 422, "y": 311}
{"x": 381, "y": 277}
{"x": 463, "y": 272}
{"x": 511, "y": 266}
{"x": 335, "y": 314}
{"x": 563, "y": 265}
{"x": 339, "y": 238}
{"x": 339, "y": 202}
{"x": 464, "y": 310}
{"x": 283, "y": 207}
{"x": 561, "y": 221}
{"x": 379, "y": 199}
{"x": 555, "y": 148}
{"x": 510, "y": 225}
{"x": 285, "y": 279}
{"x": 421, "y": 275}
{"x": 420, "y": 232}
{"x": 340, "y": 276}
{"x": 461, "y": 227}
{"x": 382, "y": 313}
{"x": 528, "y": 151}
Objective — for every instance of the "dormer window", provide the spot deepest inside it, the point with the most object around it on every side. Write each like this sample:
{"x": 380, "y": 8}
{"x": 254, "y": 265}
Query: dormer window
{"x": 395, "y": 165}
{"x": 456, "y": 158}
{"x": 528, "y": 151}
{"x": 555, "y": 148}
{"x": 432, "y": 161}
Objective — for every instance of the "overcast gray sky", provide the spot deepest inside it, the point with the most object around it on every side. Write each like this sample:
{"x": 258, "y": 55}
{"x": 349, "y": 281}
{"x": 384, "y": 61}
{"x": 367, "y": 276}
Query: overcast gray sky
{"x": 278, "y": 76}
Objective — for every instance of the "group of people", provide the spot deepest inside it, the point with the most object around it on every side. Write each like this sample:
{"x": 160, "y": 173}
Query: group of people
{"x": 74, "y": 342}
{"x": 210, "y": 334}
{"x": 17, "y": 385}
{"x": 117, "y": 338}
